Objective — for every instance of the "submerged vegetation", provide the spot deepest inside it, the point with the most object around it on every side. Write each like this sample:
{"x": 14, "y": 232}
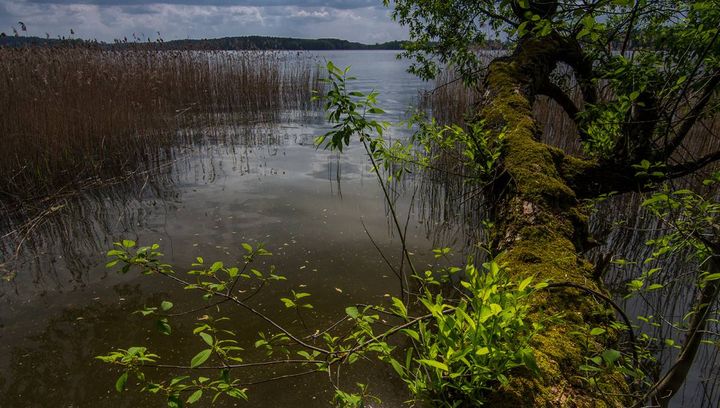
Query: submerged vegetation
{"x": 76, "y": 115}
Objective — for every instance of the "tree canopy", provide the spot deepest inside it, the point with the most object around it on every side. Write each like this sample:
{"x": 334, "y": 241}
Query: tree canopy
{"x": 637, "y": 77}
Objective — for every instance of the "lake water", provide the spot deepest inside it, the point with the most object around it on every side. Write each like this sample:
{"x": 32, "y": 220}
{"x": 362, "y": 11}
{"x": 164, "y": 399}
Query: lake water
{"x": 62, "y": 307}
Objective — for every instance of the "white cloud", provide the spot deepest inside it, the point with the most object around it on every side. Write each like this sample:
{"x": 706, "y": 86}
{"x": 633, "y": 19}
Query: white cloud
{"x": 183, "y": 19}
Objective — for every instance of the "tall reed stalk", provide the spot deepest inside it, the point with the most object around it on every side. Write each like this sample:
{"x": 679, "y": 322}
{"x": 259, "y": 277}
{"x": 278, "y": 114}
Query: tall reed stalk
{"x": 74, "y": 114}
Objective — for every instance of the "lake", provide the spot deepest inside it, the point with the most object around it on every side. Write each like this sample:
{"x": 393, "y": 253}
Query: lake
{"x": 271, "y": 185}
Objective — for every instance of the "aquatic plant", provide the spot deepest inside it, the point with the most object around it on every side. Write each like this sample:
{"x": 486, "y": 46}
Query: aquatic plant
{"x": 73, "y": 116}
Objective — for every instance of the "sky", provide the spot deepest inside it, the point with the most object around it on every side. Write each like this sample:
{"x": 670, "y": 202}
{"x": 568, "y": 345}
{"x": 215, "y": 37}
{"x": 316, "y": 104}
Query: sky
{"x": 364, "y": 21}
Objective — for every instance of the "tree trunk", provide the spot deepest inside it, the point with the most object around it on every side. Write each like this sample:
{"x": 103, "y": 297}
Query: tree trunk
{"x": 542, "y": 231}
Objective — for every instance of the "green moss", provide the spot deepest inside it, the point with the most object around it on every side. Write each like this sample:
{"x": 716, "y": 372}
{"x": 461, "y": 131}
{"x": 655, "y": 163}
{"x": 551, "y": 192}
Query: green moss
{"x": 542, "y": 227}
{"x": 529, "y": 162}
{"x": 572, "y": 166}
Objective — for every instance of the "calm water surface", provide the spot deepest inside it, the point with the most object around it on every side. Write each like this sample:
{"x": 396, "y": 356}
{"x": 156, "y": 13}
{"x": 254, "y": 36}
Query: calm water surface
{"x": 62, "y": 307}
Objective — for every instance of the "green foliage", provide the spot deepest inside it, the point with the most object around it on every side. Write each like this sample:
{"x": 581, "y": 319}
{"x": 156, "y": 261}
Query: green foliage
{"x": 603, "y": 127}
{"x": 471, "y": 341}
{"x": 608, "y": 362}
{"x": 348, "y": 110}
{"x": 212, "y": 281}
{"x": 695, "y": 229}
{"x": 634, "y": 76}
{"x": 464, "y": 345}
{"x": 353, "y": 115}
{"x": 477, "y": 150}
{"x": 459, "y": 346}
{"x": 354, "y": 400}
{"x": 689, "y": 232}
{"x": 449, "y": 32}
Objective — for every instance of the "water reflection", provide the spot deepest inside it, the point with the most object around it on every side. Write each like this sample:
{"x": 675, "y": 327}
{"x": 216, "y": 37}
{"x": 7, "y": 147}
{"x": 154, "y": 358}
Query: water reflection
{"x": 44, "y": 367}
{"x": 236, "y": 181}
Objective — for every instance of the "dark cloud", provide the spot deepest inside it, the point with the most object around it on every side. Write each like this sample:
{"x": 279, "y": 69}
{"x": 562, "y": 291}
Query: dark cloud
{"x": 355, "y": 20}
{"x": 338, "y": 4}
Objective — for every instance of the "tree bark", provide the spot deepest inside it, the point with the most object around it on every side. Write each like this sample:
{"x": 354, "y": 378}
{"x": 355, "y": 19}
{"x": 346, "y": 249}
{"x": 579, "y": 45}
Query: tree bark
{"x": 541, "y": 232}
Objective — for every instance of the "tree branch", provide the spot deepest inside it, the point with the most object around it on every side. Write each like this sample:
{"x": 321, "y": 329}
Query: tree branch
{"x": 693, "y": 115}
{"x": 670, "y": 383}
{"x": 554, "y": 92}
{"x": 683, "y": 169}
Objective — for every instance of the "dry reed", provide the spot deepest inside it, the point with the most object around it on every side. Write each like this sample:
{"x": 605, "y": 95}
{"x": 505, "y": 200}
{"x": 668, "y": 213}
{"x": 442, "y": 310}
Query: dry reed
{"x": 73, "y": 114}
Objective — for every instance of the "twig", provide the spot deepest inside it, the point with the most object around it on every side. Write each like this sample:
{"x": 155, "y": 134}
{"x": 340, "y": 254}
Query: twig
{"x": 612, "y": 303}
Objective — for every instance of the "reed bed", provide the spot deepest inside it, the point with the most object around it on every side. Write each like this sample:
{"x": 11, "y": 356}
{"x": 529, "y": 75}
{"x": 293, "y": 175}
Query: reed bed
{"x": 75, "y": 115}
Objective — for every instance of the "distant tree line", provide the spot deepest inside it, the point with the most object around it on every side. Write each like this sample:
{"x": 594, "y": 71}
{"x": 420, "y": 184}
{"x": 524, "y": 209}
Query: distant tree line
{"x": 226, "y": 43}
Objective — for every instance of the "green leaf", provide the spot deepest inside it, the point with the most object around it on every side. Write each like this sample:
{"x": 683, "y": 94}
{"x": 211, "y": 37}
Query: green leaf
{"x": 166, "y": 305}
{"x": 397, "y": 367}
{"x": 120, "y": 383}
{"x": 194, "y": 397}
{"x": 610, "y": 356}
{"x": 164, "y": 327}
{"x": 528, "y": 358}
{"x": 525, "y": 283}
{"x": 174, "y": 401}
{"x": 586, "y": 367}
{"x": 247, "y": 247}
{"x": 200, "y": 358}
{"x": 352, "y": 311}
{"x": 411, "y": 333}
{"x": 399, "y": 307}
{"x": 178, "y": 380}
{"x": 436, "y": 364}
{"x": 596, "y": 331}
{"x": 711, "y": 277}
{"x": 207, "y": 338}
{"x": 133, "y": 351}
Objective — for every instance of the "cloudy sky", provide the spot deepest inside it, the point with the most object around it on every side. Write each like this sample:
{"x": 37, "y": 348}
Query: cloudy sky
{"x": 355, "y": 20}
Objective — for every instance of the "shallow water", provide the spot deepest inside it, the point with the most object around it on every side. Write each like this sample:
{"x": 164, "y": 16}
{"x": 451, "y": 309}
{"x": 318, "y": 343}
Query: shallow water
{"x": 264, "y": 182}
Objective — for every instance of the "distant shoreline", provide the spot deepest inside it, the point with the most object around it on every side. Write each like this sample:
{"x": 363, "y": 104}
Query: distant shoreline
{"x": 219, "y": 44}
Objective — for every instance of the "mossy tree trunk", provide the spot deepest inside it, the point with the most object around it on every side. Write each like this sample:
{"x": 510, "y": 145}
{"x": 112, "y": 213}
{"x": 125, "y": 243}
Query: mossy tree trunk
{"x": 542, "y": 232}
